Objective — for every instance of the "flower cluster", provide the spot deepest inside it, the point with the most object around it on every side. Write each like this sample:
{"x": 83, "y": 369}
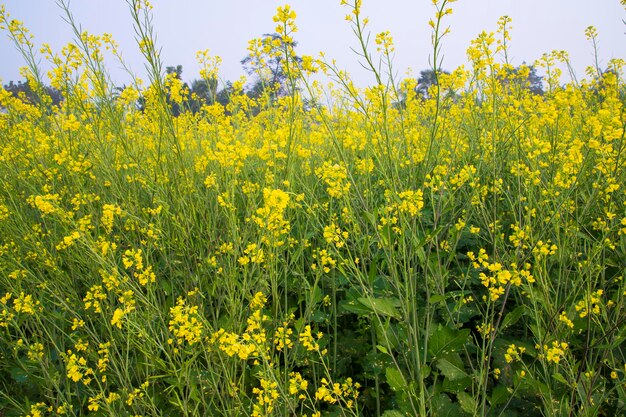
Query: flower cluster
{"x": 185, "y": 323}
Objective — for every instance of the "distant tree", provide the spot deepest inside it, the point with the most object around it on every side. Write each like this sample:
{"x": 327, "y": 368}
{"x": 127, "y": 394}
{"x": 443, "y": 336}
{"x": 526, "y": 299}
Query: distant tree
{"x": 223, "y": 96}
{"x": 24, "y": 91}
{"x": 202, "y": 92}
{"x": 177, "y": 71}
{"x": 535, "y": 84}
{"x": 607, "y": 79}
{"x": 426, "y": 80}
{"x": 269, "y": 67}
{"x": 203, "y": 89}
{"x": 532, "y": 81}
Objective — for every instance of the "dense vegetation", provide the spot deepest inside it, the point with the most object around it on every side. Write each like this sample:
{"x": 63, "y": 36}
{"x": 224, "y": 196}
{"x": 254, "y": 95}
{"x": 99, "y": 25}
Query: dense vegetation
{"x": 390, "y": 251}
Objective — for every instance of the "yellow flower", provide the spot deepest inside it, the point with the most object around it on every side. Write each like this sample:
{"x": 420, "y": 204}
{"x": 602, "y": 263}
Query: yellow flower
{"x": 118, "y": 314}
{"x": 564, "y": 319}
{"x": 25, "y": 304}
{"x": 185, "y": 323}
{"x": 46, "y": 204}
{"x": 308, "y": 341}
{"x": 590, "y": 304}
{"x": 513, "y": 353}
{"x": 335, "y": 177}
{"x": 94, "y": 403}
{"x": 335, "y": 236}
{"x": 556, "y": 352}
{"x": 271, "y": 217}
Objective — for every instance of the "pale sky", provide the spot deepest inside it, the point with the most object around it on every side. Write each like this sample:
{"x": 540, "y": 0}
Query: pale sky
{"x": 224, "y": 27}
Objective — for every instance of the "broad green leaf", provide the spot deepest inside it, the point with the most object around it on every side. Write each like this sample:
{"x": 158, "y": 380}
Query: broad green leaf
{"x": 355, "y": 307}
{"x": 395, "y": 379}
{"x": 386, "y": 334}
{"x": 421, "y": 255}
{"x": 560, "y": 378}
{"x": 319, "y": 316}
{"x": 442, "y": 406}
{"x": 436, "y": 299}
{"x": 392, "y": 413}
{"x": 534, "y": 386}
{"x": 371, "y": 274}
{"x": 382, "y": 349}
{"x": 457, "y": 385}
{"x": 450, "y": 371}
{"x": 317, "y": 295}
{"x": 468, "y": 403}
{"x": 19, "y": 375}
{"x": 499, "y": 395}
{"x": 371, "y": 217}
{"x": 381, "y": 306}
{"x": 165, "y": 286}
{"x": 443, "y": 339}
{"x": 513, "y": 317}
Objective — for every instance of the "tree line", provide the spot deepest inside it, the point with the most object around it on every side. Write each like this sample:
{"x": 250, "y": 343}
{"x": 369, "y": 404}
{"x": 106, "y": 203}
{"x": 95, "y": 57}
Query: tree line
{"x": 200, "y": 92}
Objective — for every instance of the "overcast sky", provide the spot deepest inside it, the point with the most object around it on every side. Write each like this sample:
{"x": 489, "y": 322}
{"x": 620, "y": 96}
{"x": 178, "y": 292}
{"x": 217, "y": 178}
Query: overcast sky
{"x": 224, "y": 27}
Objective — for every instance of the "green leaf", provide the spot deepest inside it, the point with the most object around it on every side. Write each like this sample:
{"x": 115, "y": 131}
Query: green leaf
{"x": 421, "y": 255}
{"x": 617, "y": 340}
{"x": 19, "y": 375}
{"x": 499, "y": 395}
{"x": 165, "y": 286}
{"x": 458, "y": 385}
{"x": 450, "y": 371}
{"x": 468, "y": 403}
{"x": 319, "y": 316}
{"x": 395, "y": 379}
{"x": 442, "y": 406}
{"x": 381, "y": 306}
{"x": 513, "y": 317}
{"x": 534, "y": 386}
{"x": 386, "y": 334}
{"x": 317, "y": 295}
{"x": 371, "y": 274}
{"x": 392, "y": 413}
{"x": 354, "y": 307}
{"x": 437, "y": 298}
{"x": 371, "y": 217}
{"x": 560, "y": 378}
{"x": 443, "y": 339}
{"x": 382, "y": 349}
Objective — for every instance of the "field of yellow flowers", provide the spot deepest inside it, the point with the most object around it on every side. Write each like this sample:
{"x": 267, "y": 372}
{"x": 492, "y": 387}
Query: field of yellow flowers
{"x": 386, "y": 254}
